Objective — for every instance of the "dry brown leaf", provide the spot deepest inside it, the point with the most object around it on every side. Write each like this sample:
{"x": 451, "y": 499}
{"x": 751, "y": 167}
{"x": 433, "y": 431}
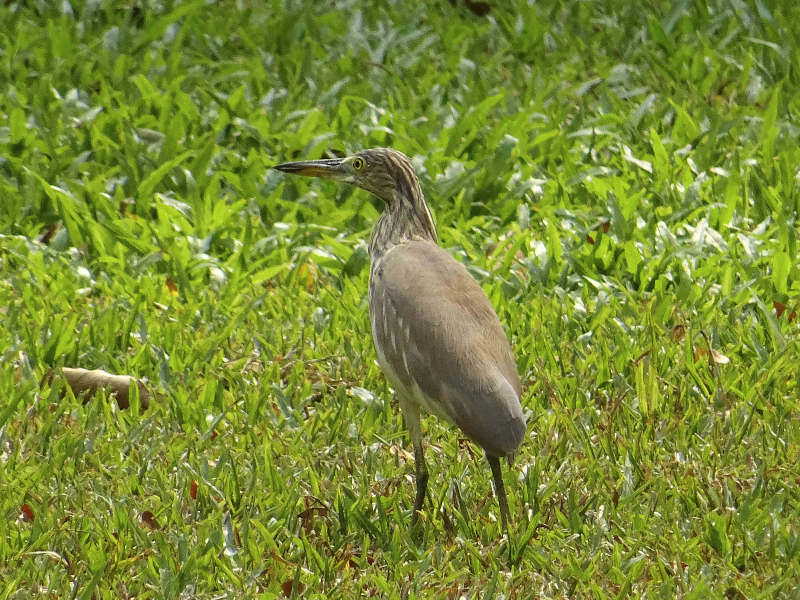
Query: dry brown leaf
{"x": 286, "y": 587}
{"x": 604, "y": 226}
{"x": 172, "y": 287}
{"x": 717, "y": 357}
{"x": 85, "y": 381}
{"x": 27, "y": 513}
{"x": 307, "y": 516}
{"x": 401, "y": 452}
{"x": 149, "y": 521}
{"x": 780, "y": 308}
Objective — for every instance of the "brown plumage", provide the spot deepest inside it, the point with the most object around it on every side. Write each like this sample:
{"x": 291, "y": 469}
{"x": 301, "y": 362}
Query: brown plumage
{"x": 438, "y": 338}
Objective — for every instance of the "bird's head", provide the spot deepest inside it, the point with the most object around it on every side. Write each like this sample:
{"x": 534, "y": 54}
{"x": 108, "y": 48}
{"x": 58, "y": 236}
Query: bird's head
{"x": 384, "y": 172}
{"x": 387, "y": 174}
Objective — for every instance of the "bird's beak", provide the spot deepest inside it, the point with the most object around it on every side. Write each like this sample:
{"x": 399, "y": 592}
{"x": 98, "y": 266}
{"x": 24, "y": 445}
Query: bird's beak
{"x": 332, "y": 168}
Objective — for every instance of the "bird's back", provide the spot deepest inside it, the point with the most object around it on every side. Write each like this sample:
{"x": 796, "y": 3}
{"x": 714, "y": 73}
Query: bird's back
{"x": 440, "y": 343}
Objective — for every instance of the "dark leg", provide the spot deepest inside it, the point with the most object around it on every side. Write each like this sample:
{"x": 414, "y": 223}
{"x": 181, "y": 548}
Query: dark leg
{"x": 422, "y": 479}
{"x": 500, "y": 491}
{"x": 411, "y": 416}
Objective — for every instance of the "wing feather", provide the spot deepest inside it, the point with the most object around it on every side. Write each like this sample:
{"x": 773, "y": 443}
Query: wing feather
{"x": 441, "y": 344}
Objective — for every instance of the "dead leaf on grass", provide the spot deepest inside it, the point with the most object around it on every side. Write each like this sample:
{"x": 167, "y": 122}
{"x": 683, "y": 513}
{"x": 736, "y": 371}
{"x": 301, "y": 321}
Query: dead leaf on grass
{"x": 286, "y": 587}
{"x": 780, "y": 308}
{"x": 84, "y": 381}
{"x": 27, "y": 513}
{"x": 149, "y": 521}
{"x": 717, "y": 357}
{"x": 172, "y": 287}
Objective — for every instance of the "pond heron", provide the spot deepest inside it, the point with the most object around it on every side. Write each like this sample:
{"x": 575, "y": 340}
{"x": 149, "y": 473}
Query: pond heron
{"x": 438, "y": 338}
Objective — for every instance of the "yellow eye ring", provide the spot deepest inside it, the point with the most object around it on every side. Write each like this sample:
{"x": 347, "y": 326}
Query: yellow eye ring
{"x": 358, "y": 163}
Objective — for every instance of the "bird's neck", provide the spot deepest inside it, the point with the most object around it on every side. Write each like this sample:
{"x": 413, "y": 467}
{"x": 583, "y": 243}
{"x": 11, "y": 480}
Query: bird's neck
{"x": 404, "y": 219}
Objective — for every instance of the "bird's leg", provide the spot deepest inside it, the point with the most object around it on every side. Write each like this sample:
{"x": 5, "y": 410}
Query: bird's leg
{"x": 422, "y": 479}
{"x": 411, "y": 415}
{"x": 500, "y": 491}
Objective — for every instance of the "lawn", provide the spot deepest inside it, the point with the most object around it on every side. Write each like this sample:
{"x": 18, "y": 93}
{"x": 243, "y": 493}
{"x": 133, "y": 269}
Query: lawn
{"x": 623, "y": 181}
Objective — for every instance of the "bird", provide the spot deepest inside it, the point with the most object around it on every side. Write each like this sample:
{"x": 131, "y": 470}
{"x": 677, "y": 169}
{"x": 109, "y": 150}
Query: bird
{"x": 438, "y": 339}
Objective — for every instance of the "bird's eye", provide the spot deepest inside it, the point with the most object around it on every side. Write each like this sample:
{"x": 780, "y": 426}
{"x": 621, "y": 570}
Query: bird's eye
{"x": 358, "y": 163}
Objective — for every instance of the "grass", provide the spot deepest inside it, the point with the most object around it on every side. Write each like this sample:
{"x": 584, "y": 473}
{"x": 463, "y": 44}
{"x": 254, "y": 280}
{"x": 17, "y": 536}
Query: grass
{"x": 622, "y": 180}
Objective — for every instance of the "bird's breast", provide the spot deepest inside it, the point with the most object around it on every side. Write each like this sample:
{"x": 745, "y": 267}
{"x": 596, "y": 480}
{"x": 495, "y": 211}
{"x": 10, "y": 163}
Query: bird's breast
{"x": 399, "y": 359}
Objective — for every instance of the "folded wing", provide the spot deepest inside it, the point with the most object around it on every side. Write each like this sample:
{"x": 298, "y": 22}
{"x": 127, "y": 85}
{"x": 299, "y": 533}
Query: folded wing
{"x": 441, "y": 344}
